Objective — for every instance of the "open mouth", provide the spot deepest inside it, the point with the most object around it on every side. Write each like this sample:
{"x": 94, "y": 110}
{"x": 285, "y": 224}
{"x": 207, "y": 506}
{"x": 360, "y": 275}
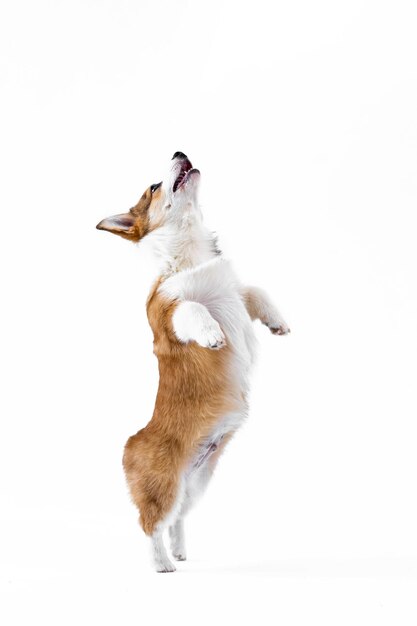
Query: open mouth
{"x": 185, "y": 172}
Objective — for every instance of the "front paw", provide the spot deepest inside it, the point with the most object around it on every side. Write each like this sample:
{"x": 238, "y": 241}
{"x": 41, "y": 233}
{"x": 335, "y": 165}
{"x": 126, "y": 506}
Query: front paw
{"x": 279, "y": 328}
{"x": 212, "y": 337}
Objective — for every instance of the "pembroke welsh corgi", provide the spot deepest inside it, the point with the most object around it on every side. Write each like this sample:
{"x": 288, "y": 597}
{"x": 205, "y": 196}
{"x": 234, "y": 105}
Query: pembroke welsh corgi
{"x": 200, "y": 315}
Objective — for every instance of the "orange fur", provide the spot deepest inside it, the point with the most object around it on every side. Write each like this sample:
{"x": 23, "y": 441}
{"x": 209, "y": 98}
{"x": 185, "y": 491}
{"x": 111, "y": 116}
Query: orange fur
{"x": 135, "y": 224}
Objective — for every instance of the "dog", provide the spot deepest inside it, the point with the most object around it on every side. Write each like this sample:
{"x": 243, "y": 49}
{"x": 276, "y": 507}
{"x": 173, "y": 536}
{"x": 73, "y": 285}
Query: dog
{"x": 201, "y": 317}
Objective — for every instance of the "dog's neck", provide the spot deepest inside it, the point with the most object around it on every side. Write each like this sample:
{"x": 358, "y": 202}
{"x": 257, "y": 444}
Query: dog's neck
{"x": 176, "y": 249}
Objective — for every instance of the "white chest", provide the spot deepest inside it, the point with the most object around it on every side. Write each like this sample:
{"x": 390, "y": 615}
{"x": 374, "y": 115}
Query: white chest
{"x": 215, "y": 285}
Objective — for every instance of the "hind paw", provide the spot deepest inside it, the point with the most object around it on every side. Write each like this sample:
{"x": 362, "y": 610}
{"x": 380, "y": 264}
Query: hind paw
{"x": 164, "y": 567}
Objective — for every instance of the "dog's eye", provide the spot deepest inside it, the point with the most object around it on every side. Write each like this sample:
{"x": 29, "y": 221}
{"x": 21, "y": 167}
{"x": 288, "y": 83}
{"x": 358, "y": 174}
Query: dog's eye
{"x": 155, "y": 187}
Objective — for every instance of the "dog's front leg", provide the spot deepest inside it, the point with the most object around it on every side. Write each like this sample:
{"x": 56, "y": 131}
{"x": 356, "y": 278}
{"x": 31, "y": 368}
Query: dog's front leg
{"x": 192, "y": 322}
{"x": 260, "y": 307}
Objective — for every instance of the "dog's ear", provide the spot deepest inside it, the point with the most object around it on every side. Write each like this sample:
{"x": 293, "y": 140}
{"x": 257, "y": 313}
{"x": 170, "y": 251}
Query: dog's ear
{"x": 123, "y": 225}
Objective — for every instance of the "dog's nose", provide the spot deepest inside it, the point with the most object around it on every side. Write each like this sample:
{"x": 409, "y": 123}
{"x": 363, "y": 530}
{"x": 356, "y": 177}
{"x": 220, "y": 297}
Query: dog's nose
{"x": 179, "y": 155}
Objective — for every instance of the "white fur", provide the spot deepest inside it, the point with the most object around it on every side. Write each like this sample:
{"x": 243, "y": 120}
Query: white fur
{"x": 161, "y": 560}
{"x": 260, "y": 307}
{"x": 160, "y": 557}
{"x": 177, "y": 536}
{"x": 192, "y": 321}
{"x": 180, "y": 240}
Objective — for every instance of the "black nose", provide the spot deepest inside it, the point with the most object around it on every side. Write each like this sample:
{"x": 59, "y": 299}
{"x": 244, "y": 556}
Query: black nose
{"x": 179, "y": 155}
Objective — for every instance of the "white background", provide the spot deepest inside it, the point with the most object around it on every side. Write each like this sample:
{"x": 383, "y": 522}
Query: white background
{"x": 302, "y": 119}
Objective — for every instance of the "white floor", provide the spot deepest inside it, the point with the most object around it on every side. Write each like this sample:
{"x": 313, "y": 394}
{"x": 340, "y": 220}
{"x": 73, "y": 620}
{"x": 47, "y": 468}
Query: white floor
{"x": 86, "y": 571}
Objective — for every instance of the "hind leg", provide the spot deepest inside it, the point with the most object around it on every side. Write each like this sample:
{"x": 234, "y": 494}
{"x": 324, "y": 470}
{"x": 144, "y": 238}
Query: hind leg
{"x": 157, "y": 489}
{"x": 195, "y": 484}
{"x": 160, "y": 557}
{"x": 176, "y": 534}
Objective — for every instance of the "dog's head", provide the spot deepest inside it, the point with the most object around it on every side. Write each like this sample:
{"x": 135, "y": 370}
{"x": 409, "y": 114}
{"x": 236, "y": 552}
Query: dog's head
{"x": 167, "y": 202}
